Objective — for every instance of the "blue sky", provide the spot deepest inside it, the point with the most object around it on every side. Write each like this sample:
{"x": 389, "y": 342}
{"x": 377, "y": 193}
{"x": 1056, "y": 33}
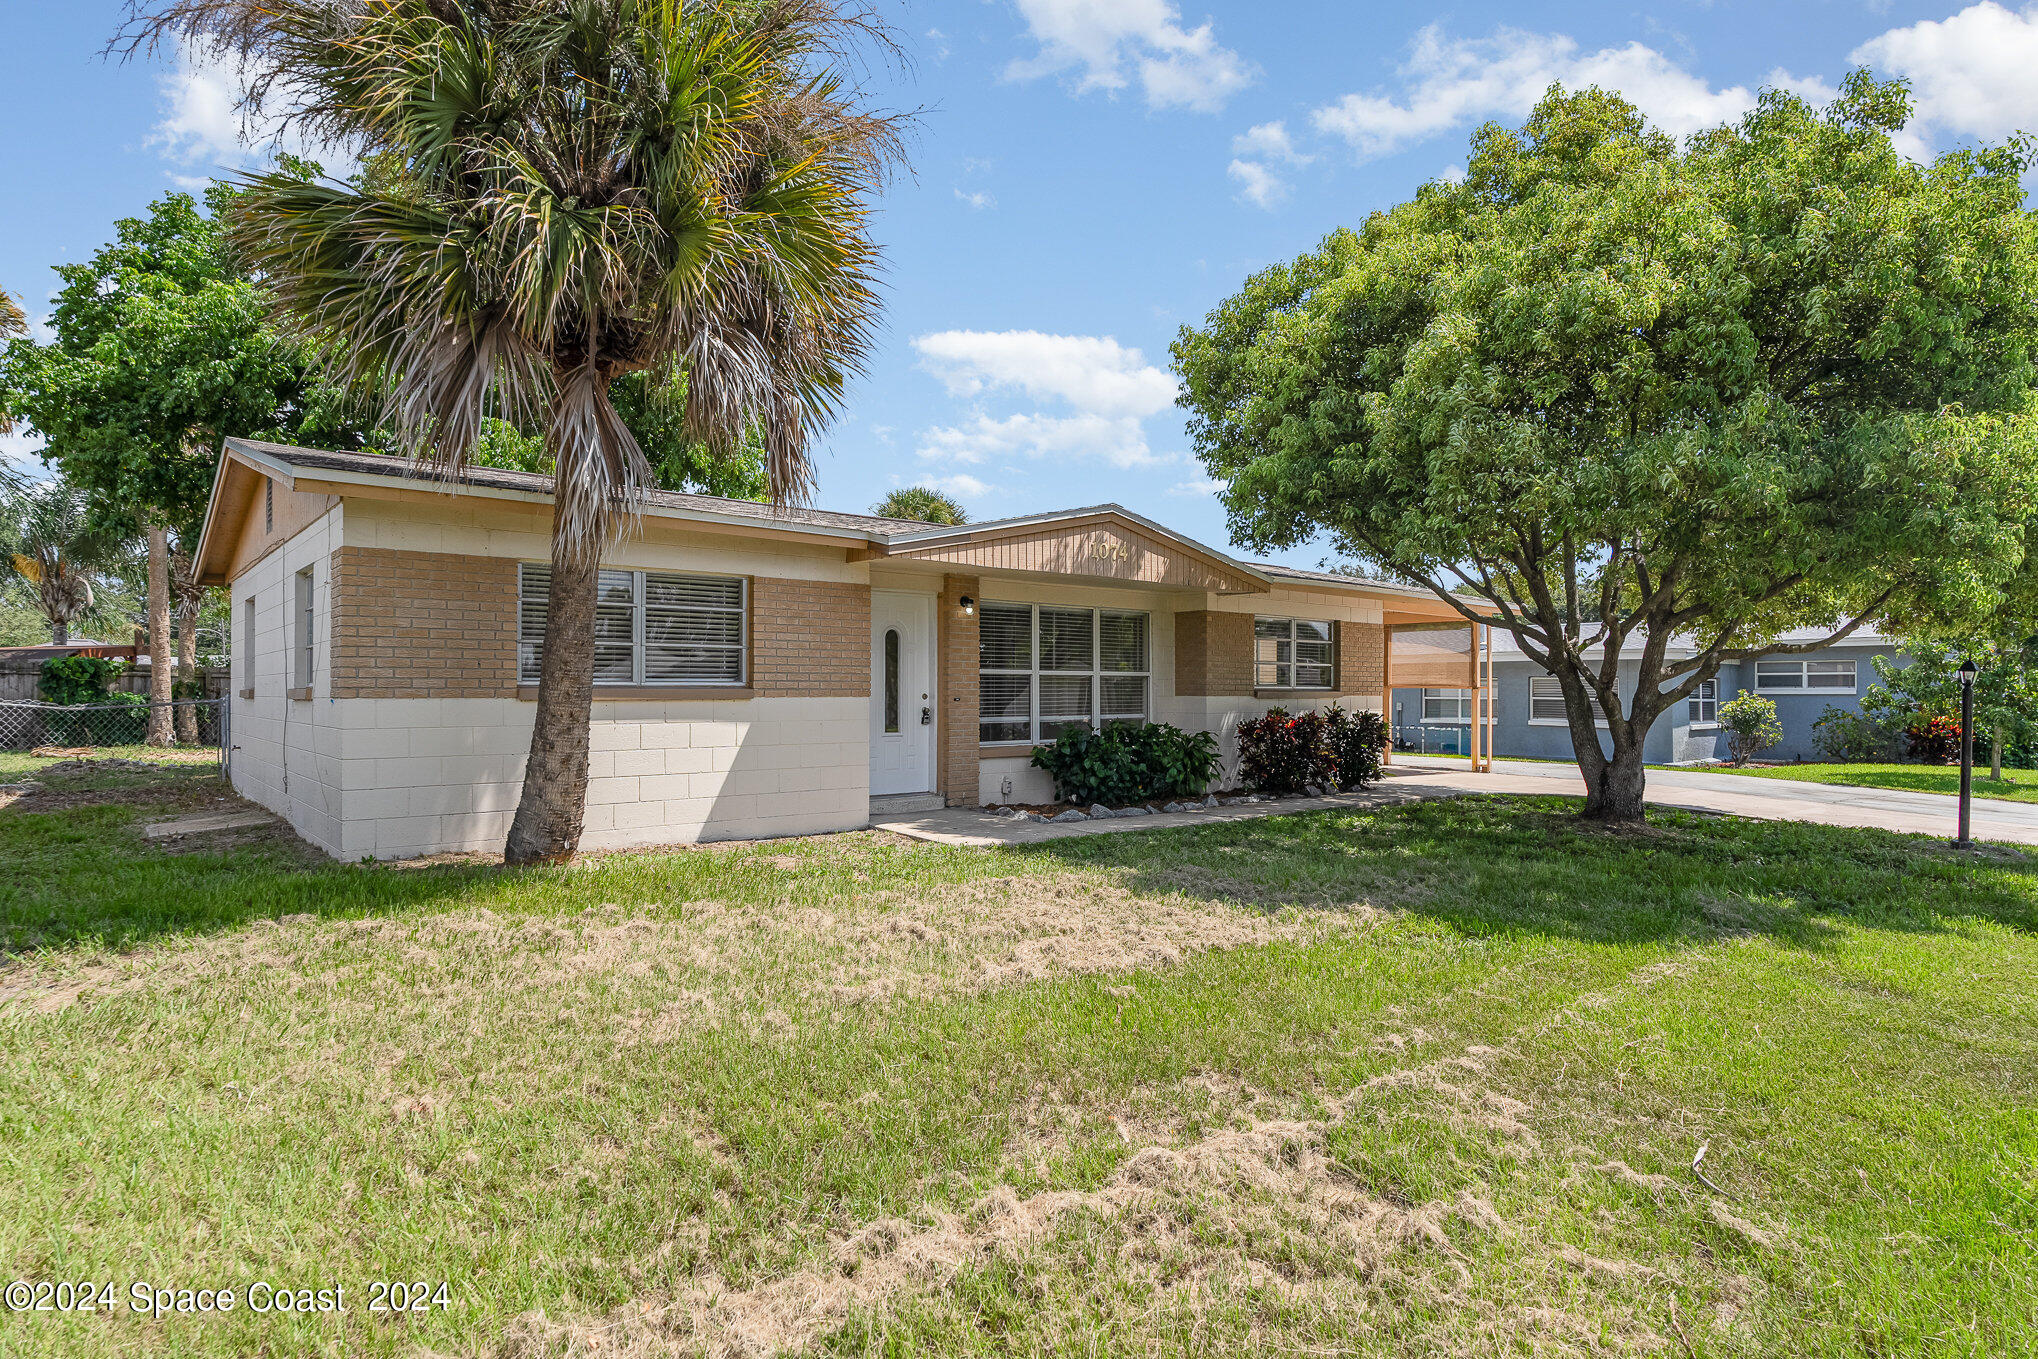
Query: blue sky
{"x": 1089, "y": 176}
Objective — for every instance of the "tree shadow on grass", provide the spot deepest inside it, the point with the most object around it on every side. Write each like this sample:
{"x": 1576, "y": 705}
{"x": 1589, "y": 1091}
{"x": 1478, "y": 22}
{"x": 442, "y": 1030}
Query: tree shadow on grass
{"x": 1527, "y": 865}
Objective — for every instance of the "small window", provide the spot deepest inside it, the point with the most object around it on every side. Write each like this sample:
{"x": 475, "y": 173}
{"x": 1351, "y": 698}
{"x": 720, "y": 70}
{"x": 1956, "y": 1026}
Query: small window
{"x": 891, "y": 680}
{"x": 248, "y": 642}
{"x": 1546, "y": 700}
{"x": 268, "y": 505}
{"x": 1704, "y": 704}
{"x": 1291, "y": 653}
{"x": 301, "y": 671}
{"x": 650, "y": 627}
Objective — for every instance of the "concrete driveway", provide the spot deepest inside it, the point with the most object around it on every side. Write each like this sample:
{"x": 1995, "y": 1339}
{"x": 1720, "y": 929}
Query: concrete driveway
{"x": 1740, "y": 795}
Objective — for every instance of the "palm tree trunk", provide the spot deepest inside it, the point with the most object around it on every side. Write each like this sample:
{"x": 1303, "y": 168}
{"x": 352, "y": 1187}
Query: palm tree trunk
{"x": 60, "y": 632}
{"x": 159, "y": 733}
{"x": 554, "y": 799}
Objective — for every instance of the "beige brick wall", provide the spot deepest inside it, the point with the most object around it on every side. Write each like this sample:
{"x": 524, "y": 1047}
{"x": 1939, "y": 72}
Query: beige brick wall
{"x": 809, "y": 638}
{"x": 1213, "y": 654}
{"x": 423, "y": 625}
{"x": 1361, "y": 659}
{"x": 956, "y": 774}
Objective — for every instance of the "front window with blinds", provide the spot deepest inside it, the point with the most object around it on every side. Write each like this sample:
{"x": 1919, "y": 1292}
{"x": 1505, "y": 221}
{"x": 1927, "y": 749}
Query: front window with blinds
{"x": 650, "y": 627}
{"x": 1291, "y": 653}
{"x": 1805, "y": 677}
{"x": 1045, "y": 668}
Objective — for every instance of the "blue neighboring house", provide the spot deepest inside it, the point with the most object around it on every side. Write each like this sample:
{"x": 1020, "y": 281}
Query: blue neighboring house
{"x": 1527, "y": 708}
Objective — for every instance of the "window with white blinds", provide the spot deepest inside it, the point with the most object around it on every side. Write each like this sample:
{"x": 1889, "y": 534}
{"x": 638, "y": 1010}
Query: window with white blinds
{"x": 1043, "y": 668}
{"x": 1291, "y": 653}
{"x": 650, "y": 627}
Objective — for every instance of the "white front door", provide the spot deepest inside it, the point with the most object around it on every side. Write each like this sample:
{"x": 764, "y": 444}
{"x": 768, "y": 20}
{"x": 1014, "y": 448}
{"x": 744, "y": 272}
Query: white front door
{"x": 901, "y": 693}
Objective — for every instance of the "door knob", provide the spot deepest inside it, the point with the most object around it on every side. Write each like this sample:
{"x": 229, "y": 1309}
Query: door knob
{"x": 926, "y": 717}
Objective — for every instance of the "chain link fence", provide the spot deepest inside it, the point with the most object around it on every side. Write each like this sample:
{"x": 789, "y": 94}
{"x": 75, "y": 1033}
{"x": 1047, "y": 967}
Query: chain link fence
{"x": 61, "y": 726}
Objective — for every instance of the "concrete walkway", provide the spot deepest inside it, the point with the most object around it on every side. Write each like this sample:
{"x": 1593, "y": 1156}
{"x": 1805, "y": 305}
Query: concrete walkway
{"x": 1414, "y": 777}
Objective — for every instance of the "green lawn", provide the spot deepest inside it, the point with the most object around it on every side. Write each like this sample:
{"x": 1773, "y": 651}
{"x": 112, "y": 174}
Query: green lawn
{"x": 1421, "y": 1080}
{"x": 2016, "y": 785}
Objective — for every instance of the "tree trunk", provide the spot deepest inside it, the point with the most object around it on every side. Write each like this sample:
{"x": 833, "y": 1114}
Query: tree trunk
{"x": 554, "y": 800}
{"x": 1995, "y": 752}
{"x": 159, "y": 733}
{"x": 189, "y": 598}
{"x": 60, "y": 632}
{"x": 1615, "y": 795}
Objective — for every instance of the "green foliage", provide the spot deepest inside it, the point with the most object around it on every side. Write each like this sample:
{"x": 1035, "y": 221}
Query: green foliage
{"x": 1128, "y": 763}
{"x": 1750, "y": 722}
{"x": 1924, "y": 683}
{"x": 77, "y": 679}
{"x": 1330, "y": 748}
{"x": 1779, "y": 377}
{"x": 924, "y": 503}
{"x": 1850, "y": 737}
{"x": 164, "y": 348}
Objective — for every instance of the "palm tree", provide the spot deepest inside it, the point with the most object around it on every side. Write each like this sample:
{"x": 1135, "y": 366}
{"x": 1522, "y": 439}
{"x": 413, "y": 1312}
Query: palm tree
{"x": 13, "y": 322}
{"x": 924, "y": 503}
{"x": 50, "y": 541}
{"x": 570, "y": 191}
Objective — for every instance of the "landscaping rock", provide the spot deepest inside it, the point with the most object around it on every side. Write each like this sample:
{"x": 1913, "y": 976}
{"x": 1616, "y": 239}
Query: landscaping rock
{"x": 1175, "y": 807}
{"x": 1099, "y": 812}
{"x": 1070, "y": 815}
{"x": 1210, "y": 802}
{"x": 1136, "y": 811}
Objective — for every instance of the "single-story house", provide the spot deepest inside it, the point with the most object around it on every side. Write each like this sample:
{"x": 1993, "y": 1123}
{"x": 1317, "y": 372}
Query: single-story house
{"x": 1525, "y": 712}
{"x": 760, "y": 671}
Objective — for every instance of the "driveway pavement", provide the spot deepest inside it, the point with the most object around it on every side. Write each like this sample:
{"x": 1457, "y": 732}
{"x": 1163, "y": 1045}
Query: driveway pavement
{"x": 1413, "y": 777}
{"x": 1742, "y": 795}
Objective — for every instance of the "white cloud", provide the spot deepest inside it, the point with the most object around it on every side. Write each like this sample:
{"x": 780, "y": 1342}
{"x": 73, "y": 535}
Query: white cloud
{"x": 1119, "y": 441}
{"x": 940, "y": 42}
{"x": 1257, "y": 184}
{"x": 1087, "y": 399}
{"x": 204, "y": 128}
{"x": 1108, "y": 43}
{"x": 1456, "y": 82}
{"x": 962, "y": 484}
{"x": 1091, "y": 373}
{"x": 1269, "y": 141}
{"x": 978, "y": 200}
{"x": 1200, "y": 486}
{"x": 1971, "y": 73}
{"x": 1255, "y": 152}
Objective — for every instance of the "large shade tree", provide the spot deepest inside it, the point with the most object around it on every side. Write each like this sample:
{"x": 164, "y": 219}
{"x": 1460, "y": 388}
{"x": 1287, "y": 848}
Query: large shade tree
{"x": 924, "y": 503}
{"x": 580, "y": 191}
{"x": 1608, "y": 391}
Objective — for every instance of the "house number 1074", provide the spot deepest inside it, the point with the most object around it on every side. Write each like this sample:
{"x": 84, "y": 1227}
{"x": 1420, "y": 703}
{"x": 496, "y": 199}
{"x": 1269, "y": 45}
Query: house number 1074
{"x": 1117, "y": 552}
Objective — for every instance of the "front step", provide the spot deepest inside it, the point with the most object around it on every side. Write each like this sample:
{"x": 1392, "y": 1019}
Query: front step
{"x": 899, "y": 804}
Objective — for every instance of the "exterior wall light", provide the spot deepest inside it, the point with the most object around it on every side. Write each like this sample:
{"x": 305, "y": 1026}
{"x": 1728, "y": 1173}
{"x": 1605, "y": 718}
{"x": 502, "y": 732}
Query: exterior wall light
{"x": 969, "y": 606}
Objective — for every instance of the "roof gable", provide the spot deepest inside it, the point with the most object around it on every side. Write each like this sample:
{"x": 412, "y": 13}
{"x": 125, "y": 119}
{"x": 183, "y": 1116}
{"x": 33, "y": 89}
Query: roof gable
{"x": 1103, "y": 544}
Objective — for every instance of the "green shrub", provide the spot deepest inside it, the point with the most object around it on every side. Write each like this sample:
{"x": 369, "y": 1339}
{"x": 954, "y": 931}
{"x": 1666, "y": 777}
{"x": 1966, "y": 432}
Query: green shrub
{"x": 1749, "y": 721}
{"x": 1330, "y": 748}
{"x": 1848, "y": 737}
{"x": 1129, "y": 763}
{"x": 77, "y": 679}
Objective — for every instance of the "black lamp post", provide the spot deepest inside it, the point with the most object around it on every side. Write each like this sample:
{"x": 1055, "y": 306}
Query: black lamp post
{"x": 1968, "y": 670}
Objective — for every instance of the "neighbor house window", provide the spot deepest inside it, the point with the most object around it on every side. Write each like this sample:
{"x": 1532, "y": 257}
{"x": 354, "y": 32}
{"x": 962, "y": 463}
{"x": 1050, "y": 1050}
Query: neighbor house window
{"x": 650, "y": 627}
{"x": 1291, "y": 653}
{"x": 301, "y": 670}
{"x": 1452, "y": 707}
{"x": 1546, "y": 700}
{"x": 1044, "y": 668}
{"x": 1704, "y": 704}
{"x": 1804, "y": 677}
